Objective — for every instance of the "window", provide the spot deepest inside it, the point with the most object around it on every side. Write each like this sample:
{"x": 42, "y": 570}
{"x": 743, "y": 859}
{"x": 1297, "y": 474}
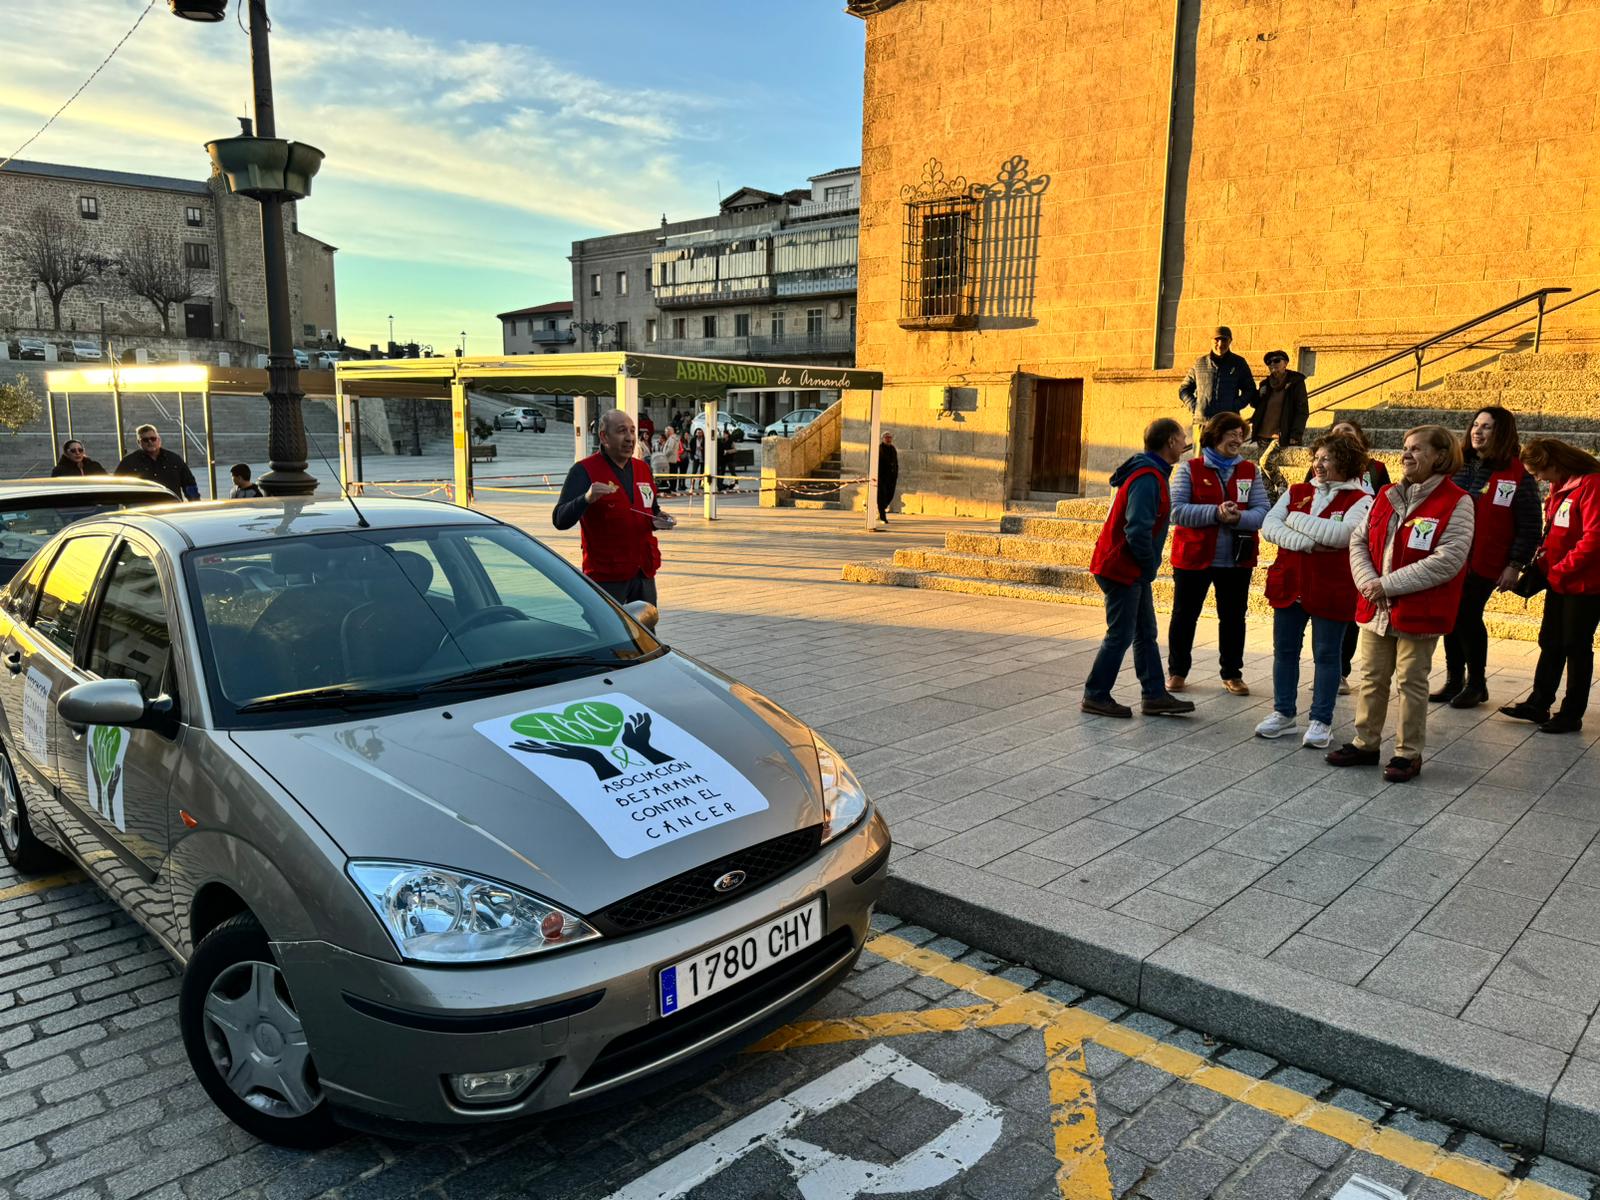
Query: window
{"x": 198, "y": 255}
{"x": 708, "y": 327}
{"x": 549, "y": 324}
{"x": 594, "y": 284}
{"x": 89, "y": 208}
{"x": 842, "y": 192}
{"x": 309, "y": 331}
{"x": 777, "y": 324}
{"x": 130, "y": 639}
{"x": 192, "y": 217}
{"x": 531, "y": 592}
{"x": 66, "y": 588}
{"x": 650, "y": 329}
{"x": 938, "y": 284}
{"x": 741, "y": 325}
{"x": 813, "y": 322}
{"x": 649, "y": 279}
{"x": 680, "y": 328}
{"x": 23, "y": 588}
{"x": 622, "y": 283}
{"x": 622, "y": 335}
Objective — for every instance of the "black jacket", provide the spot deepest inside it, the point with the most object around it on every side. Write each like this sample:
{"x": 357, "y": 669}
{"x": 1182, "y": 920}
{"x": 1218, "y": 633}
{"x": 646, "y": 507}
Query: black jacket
{"x": 67, "y": 467}
{"x": 888, "y": 468}
{"x": 1218, "y": 385}
{"x": 167, "y": 469}
{"x": 1296, "y": 409}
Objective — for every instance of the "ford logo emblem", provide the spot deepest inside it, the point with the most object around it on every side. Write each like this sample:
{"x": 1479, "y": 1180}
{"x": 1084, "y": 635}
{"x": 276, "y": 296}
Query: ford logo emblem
{"x": 729, "y": 881}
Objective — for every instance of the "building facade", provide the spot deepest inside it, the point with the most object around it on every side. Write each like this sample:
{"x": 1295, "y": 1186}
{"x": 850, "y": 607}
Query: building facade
{"x": 214, "y": 239}
{"x": 770, "y": 276}
{"x": 1061, "y": 201}
{"x": 542, "y": 329}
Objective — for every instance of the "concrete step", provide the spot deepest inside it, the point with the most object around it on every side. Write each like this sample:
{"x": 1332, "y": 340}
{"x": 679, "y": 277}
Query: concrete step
{"x": 1395, "y": 417}
{"x": 1055, "y": 528}
{"x": 1527, "y": 360}
{"x": 1533, "y": 377}
{"x": 820, "y": 505}
{"x": 1069, "y": 552}
{"x": 1081, "y": 589}
{"x": 1568, "y": 401}
{"x": 1393, "y": 438}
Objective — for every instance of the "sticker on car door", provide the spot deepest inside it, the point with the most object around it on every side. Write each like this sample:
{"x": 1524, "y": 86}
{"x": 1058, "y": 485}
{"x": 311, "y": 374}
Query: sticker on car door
{"x": 35, "y": 716}
{"x": 107, "y": 748}
{"x": 639, "y": 780}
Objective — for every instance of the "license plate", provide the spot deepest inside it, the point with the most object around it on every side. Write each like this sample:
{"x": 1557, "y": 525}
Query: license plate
{"x": 741, "y": 956}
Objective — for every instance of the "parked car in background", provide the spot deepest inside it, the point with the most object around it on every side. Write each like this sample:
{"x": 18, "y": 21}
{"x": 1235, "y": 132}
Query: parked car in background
{"x": 32, "y": 511}
{"x": 792, "y": 423}
{"x": 302, "y": 360}
{"x": 520, "y": 419}
{"x": 324, "y": 360}
{"x": 85, "y": 350}
{"x": 31, "y": 347}
{"x": 744, "y": 429}
{"x": 440, "y": 835}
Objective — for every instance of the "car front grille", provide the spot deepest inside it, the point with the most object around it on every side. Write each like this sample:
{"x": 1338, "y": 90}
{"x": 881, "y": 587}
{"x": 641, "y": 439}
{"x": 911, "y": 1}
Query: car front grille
{"x": 693, "y": 891}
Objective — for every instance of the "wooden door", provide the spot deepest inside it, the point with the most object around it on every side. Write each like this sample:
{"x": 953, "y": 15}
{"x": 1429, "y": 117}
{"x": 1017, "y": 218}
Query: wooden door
{"x": 1057, "y": 435}
{"x": 197, "y": 320}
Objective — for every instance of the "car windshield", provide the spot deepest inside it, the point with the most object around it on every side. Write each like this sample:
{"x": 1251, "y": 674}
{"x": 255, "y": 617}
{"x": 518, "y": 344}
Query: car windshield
{"x": 25, "y": 525}
{"x": 394, "y": 616}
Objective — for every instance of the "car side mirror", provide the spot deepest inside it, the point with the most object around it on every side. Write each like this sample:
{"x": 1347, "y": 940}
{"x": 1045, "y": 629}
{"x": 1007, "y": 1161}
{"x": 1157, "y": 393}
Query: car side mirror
{"x": 113, "y": 702}
{"x": 642, "y": 611}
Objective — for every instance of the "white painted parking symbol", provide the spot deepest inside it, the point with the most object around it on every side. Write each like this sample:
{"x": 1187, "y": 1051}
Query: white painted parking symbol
{"x": 821, "y": 1174}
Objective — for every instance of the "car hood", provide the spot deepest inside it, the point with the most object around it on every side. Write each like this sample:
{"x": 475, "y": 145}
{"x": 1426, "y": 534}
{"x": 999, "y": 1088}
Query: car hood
{"x": 440, "y": 786}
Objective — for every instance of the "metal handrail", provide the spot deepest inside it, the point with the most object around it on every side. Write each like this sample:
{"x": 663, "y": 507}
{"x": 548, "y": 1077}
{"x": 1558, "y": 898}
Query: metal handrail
{"x": 1418, "y": 351}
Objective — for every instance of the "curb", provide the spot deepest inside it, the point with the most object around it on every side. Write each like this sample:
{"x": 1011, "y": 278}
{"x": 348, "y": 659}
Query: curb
{"x": 1511, "y": 1089}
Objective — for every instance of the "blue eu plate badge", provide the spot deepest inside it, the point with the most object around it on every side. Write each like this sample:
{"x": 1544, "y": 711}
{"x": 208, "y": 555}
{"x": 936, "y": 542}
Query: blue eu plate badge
{"x": 669, "y": 991}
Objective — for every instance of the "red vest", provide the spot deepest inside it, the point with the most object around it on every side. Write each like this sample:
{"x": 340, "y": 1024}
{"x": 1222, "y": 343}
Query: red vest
{"x": 1571, "y": 514}
{"x": 1193, "y": 549}
{"x": 1111, "y": 558}
{"x": 1428, "y": 612}
{"x": 1319, "y": 579}
{"x": 1494, "y": 524}
{"x": 618, "y": 531}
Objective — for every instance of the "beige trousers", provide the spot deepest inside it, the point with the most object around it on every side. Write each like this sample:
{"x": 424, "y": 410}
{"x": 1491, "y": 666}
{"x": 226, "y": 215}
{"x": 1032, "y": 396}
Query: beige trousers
{"x": 1380, "y": 658}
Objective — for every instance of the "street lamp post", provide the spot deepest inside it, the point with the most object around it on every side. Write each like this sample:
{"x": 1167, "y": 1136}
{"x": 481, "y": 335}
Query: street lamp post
{"x": 463, "y": 341}
{"x": 391, "y": 329}
{"x": 272, "y": 172}
{"x": 596, "y": 332}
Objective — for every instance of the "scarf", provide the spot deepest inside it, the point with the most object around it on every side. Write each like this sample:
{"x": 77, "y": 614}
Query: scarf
{"x": 1221, "y": 464}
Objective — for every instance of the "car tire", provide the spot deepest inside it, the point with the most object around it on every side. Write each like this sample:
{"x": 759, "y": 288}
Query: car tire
{"x": 26, "y": 853}
{"x": 521, "y": 428}
{"x": 235, "y": 1003}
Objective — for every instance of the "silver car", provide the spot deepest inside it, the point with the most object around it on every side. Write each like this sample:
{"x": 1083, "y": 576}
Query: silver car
{"x": 440, "y": 835}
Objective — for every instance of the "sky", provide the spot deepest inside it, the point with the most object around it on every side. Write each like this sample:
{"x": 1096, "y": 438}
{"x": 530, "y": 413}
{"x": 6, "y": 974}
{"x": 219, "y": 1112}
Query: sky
{"x": 468, "y": 144}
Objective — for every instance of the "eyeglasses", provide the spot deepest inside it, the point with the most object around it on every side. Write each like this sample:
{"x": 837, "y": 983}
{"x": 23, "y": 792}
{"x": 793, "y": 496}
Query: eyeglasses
{"x": 148, "y": 441}
{"x": 75, "y": 450}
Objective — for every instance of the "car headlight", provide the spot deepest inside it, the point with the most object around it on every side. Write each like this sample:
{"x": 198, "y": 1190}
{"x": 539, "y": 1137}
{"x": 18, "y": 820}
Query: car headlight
{"x": 844, "y": 800}
{"x": 442, "y": 916}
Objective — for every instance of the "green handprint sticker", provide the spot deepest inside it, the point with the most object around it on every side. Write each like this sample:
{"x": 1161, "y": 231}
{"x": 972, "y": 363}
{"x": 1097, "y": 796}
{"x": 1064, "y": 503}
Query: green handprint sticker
{"x": 106, "y": 746}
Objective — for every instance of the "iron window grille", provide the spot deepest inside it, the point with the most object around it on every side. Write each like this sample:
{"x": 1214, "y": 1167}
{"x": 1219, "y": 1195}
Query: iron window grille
{"x": 939, "y": 252}
{"x": 197, "y": 255}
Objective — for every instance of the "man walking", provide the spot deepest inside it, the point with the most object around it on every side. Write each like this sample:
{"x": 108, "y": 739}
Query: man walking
{"x": 1126, "y": 556}
{"x": 1218, "y": 382}
{"x": 1281, "y": 404}
{"x": 611, "y": 496}
{"x": 888, "y": 475}
{"x": 150, "y": 461}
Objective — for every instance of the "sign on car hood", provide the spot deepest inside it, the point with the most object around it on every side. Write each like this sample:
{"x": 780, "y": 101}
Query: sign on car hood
{"x": 583, "y": 792}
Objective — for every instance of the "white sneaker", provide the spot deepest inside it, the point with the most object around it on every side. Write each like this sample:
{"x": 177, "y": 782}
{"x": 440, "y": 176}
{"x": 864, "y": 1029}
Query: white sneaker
{"x": 1276, "y": 725}
{"x": 1318, "y": 735}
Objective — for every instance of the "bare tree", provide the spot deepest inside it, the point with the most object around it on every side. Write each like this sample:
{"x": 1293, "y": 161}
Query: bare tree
{"x": 154, "y": 268}
{"x": 55, "y": 253}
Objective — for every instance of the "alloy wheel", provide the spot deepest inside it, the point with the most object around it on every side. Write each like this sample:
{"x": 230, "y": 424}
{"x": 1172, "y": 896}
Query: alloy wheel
{"x": 257, "y": 1042}
{"x": 10, "y": 808}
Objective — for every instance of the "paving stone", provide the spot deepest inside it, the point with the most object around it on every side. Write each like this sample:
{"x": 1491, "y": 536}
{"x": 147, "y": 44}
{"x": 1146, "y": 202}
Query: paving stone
{"x": 967, "y": 812}
{"x": 1053, "y": 812}
{"x": 1275, "y": 1176}
{"x": 1562, "y": 1177}
{"x": 1524, "y": 1017}
{"x": 1365, "y": 919}
{"x": 1198, "y": 1099}
{"x": 1485, "y": 1151}
{"x": 1239, "y": 1132}
{"x": 1109, "y": 879}
{"x": 1157, "y": 1131}
{"x": 1563, "y": 837}
{"x": 1190, "y": 1174}
{"x": 1081, "y": 841}
{"x": 1315, "y": 876}
{"x": 1176, "y": 841}
{"x": 1212, "y": 877}
{"x": 1131, "y": 1086}
{"x": 1316, "y": 1148}
{"x": 1248, "y": 1062}
{"x": 1478, "y": 917}
{"x": 1271, "y": 839}
{"x": 1359, "y": 1103}
{"x": 1022, "y": 1169}
{"x": 1485, "y": 802}
{"x": 1300, "y": 1081}
{"x": 1419, "y": 874}
{"x": 1365, "y": 838}
{"x": 1146, "y": 809}
{"x": 1572, "y": 911}
{"x": 1027, "y": 868}
{"x": 1407, "y": 805}
{"x": 1460, "y": 837}
{"x": 1432, "y": 972}
{"x": 985, "y": 843}
{"x": 1255, "y": 921}
{"x": 1518, "y": 870}
{"x": 1160, "y": 909}
{"x": 1417, "y": 1126}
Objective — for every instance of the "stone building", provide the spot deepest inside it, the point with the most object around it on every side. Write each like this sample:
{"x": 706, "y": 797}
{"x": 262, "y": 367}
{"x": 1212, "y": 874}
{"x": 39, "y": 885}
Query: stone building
{"x": 541, "y": 329}
{"x": 217, "y": 234}
{"x": 1061, "y": 200}
{"x": 769, "y": 276}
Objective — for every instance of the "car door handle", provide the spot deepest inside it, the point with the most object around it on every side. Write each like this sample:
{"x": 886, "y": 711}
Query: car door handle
{"x": 14, "y": 662}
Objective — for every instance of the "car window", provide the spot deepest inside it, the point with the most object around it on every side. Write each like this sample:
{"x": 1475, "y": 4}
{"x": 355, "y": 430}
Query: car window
{"x": 530, "y": 592}
{"x": 27, "y": 525}
{"x": 17, "y": 599}
{"x": 130, "y": 638}
{"x": 66, "y": 589}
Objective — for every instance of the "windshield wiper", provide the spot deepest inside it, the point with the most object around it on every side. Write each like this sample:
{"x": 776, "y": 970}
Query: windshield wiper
{"x": 523, "y": 668}
{"x": 338, "y": 696}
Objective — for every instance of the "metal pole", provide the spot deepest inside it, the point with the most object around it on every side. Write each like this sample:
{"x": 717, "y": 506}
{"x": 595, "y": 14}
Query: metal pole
{"x": 360, "y": 463}
{"x": 211, "y": 448}
{"x": 341, "y": 414}
{"x": 711, "y": 461}
{"x": 580, "y": 428}
{"x": 1418, "y": 385}
{"x": 286, "y": 430}
{"x": 50, "y": 405}
{"x": 875, "y": 424}
{"x": 462, "y": 447}
{"x": 183, "y": 429}
{"x": 116, "y": 414}
{"x": 68, "y": 397}
{"x": 1538, "y": 324}
{"x": 628, "y": 402}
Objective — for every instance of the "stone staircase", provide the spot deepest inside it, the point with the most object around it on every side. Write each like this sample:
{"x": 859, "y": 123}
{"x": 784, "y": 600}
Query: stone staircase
{"x": 831, "y": 468}
{"x": 1046, "y": 557}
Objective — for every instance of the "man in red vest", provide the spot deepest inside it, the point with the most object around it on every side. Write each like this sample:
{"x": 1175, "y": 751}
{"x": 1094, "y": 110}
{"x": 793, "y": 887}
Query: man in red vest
{"x": 611, "y": 496}
{"x": 1125, "y": 560}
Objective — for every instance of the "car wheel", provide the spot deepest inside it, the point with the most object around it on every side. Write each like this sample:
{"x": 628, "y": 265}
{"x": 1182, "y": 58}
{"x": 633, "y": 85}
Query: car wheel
{"x": 245, "y": 1040}
{"x": 23, "y": 851}
{"x": 521, "y": 428}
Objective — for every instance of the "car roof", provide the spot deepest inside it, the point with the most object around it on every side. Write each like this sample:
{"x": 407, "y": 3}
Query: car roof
{"x": 223, "y": 522}
{"x": 65, "y": 487}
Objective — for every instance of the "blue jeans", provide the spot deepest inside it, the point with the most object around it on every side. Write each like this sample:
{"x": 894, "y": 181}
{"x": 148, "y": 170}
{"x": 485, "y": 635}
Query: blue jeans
{"x": 1130, "y": 620}
{"x": 1327, "y": 648}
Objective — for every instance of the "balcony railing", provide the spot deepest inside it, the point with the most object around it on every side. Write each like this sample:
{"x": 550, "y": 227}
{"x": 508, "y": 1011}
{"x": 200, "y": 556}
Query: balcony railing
{"x": 553, "y": 337}
{"x": 818, "y": 281}
{"x": 792, "y": 348}
{"x": 714, "y": 291}
{"x": 807, "y": 209}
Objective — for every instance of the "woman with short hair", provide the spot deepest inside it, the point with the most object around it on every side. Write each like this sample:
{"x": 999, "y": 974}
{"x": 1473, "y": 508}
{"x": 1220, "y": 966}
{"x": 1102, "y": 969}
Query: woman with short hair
{"x": 1407, "y": 559}
{"x": 1376, "y": 477}
{"x": 1569, "y": 562}
{"x": 1310, "y": 582}
{"x": 1504, "y": 538}
{"x": 1218, "y": 504}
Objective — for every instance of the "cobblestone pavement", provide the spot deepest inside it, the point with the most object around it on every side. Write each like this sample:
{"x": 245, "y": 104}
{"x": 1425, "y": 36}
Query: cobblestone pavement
{"x": 934, "y": 1071}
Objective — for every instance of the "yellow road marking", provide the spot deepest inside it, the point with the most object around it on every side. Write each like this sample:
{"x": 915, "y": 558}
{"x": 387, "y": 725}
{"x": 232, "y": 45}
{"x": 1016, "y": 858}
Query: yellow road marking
{"x": 41, "y": 885}
{"x": 1079, "y": 1145}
